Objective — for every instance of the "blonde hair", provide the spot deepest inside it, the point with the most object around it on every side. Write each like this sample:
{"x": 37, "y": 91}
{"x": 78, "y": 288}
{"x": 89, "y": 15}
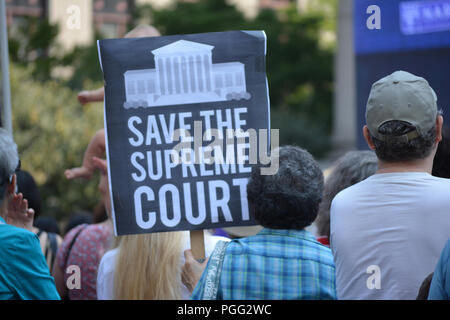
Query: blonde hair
{"x": 148, "y": 267}
{"x": 142, "y": 31}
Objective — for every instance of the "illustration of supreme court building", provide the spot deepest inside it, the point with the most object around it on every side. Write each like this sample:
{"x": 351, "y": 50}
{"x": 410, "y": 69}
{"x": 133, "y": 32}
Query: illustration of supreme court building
{"x": 184, "y": 74}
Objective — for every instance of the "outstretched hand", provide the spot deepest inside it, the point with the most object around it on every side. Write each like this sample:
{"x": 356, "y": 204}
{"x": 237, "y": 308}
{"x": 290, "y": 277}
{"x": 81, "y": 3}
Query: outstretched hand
{"x": 83, "y": 97}
{"x": 19, "y": 214}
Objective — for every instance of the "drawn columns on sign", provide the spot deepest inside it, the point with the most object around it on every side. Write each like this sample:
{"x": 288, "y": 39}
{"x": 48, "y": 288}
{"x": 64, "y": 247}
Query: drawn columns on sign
{"x": 184, "y": 74}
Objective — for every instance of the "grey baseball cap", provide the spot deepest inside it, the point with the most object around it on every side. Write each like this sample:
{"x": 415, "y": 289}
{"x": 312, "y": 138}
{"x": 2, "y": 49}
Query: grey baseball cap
{"x": 405, "y": 97}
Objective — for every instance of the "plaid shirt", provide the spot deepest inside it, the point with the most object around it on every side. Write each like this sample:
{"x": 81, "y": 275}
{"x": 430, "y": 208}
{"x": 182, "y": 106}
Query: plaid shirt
{"x": 275, "y": 264}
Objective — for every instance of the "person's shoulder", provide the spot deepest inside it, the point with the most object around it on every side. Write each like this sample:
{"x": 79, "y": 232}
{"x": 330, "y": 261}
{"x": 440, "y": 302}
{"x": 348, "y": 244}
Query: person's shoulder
{"x": 110, "y": 255}
{"x": 108, "y": 260}
{"x": 72, "y": 232}
{"x": 438, "y": 181}
{"x": 347, "y": 195}
{"x": 211, "y": 241}
{"x": 324, "y": 253}
{"x": 446, "y": 252}
{"x": 69, "y": 236}
{"x": 101, "y": 230}
{"x": 16, "y": 240}
{"x": 14, "y": 235}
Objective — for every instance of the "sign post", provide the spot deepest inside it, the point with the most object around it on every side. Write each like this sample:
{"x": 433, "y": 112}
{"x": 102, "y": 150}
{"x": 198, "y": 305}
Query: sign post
{"x": 6, "y": 90}
{"x": 198, "y": 244}
{"x": 185, "y": 118}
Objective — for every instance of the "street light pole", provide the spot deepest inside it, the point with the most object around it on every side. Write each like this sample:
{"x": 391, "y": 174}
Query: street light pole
{"x": 6, "y": 89}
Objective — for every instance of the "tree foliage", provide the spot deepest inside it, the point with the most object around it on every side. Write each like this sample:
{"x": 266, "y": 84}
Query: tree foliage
{"x": 52, "y": 131}
{"x": 299, "y": 69}
{"x": 30, "y": 43}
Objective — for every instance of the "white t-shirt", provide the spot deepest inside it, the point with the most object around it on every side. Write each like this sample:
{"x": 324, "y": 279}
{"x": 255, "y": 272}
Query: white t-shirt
{"x": 387, "y": 233}
{"x": 105, "y": 273}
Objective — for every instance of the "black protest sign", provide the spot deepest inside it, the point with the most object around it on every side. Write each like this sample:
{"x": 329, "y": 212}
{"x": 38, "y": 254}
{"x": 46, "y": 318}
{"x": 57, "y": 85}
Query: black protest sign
{"x": 174, "y": 106}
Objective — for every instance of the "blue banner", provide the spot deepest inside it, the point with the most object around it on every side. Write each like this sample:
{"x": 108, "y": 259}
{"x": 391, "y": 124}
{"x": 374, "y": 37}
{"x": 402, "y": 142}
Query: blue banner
{"x": 401, "y": 25}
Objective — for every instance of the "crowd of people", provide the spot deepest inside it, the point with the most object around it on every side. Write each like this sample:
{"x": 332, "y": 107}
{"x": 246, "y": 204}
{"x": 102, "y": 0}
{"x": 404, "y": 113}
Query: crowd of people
{"x": 382, "y": 218}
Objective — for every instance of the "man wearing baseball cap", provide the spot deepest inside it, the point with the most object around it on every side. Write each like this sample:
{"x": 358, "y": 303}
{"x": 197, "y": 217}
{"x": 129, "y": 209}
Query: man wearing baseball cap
{"x": 387, "y": 231}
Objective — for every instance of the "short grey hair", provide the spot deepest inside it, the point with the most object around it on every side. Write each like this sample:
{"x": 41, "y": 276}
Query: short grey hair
{"x": 351, "y": 168}
{"x": 9, "y": 159}
{"x": 290, "y": 198}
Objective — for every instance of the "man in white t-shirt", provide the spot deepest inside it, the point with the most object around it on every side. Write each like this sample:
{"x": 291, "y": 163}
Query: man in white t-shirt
{"x": 387, "y": 231}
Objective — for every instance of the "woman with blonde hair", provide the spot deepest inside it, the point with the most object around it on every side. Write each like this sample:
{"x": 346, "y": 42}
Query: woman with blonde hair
{"x": 147, "y": 267}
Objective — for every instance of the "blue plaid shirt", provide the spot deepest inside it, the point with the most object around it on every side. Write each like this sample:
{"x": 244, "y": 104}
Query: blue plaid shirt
{"x": 275, "y": 265}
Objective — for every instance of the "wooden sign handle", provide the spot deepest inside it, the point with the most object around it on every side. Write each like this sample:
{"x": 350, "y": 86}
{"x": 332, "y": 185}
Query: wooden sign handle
{"x": 198, "y": 244}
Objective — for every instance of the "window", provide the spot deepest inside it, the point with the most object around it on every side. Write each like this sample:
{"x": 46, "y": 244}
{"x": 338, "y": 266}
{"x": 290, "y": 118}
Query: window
{"x": 141, "y": 87}
{"x": 239, "y": 79}
{"x": 130, "y": 87}
{"x": 228, "y": 80}
{"x": 150, "y": 86}
{"x": 219, "y": 81}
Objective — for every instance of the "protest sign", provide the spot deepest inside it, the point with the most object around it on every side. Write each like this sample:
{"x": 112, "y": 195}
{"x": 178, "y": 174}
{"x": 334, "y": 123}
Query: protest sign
{"x": 178, "y": 110}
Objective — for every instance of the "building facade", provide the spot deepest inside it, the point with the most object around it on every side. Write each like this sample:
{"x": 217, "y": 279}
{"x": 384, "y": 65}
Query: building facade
{"x": 78, "y": 20}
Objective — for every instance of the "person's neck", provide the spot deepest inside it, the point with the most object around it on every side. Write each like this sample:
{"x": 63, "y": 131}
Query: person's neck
{"x": 3, "y": 210}
{"x": 422, "y": 165}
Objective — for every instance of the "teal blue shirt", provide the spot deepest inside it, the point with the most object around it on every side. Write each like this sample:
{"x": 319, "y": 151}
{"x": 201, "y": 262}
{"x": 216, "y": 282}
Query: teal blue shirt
{"x": 23, "y": 271}
{"x": 440, "y": 285}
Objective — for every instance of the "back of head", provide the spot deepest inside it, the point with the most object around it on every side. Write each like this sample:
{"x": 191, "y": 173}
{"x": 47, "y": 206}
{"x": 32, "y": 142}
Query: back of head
{"x": 78, "y": 218}
{"x": 148, "y": 267}
{"x": 401, "y": 117}
{"x": 47, "y": 224}
{"x": 143, "y": 31}
{"x": 290, "y": 198}
{"x": 28, "y": 187}
{"x": 9, "y": 160}
{"x": 353, "y": 167}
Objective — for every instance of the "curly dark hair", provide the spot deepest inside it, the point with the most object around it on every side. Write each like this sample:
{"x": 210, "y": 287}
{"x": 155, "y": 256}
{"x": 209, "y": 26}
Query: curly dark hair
{"x": 290, "y": 198}
{"x": 400, "y": 151}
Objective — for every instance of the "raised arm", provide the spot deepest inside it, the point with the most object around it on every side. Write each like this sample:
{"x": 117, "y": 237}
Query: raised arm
{"x": 87, "y": 96}
{"x": 96, "y": 148}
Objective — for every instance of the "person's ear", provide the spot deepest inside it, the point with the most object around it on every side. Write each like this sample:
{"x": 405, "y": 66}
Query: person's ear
{"x": 439, "y": 124}
{"x": 368, "y": 138}
{"x": 12, "y": 185}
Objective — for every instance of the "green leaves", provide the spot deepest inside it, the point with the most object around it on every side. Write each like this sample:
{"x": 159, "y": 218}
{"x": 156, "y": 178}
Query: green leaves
{"x": 52, "y": 131}
{"x": 299, "y": 67}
